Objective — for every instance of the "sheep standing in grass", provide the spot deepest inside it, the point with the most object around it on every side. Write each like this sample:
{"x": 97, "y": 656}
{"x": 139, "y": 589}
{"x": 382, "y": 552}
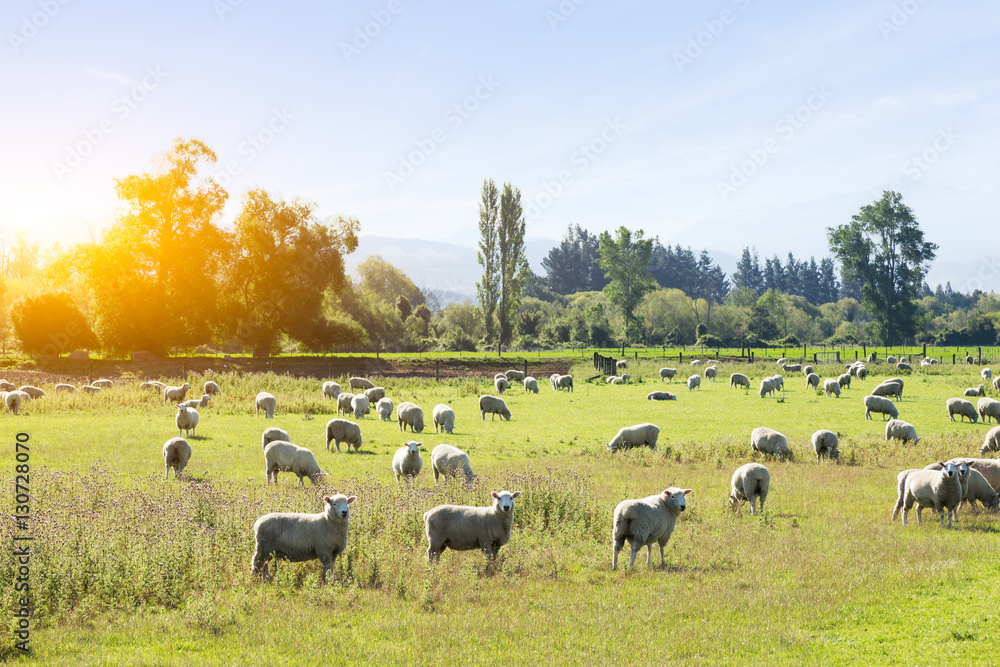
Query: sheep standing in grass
{"x": 639, "y": 435}
{"x": 710, "y": 373}
{"x": 211, "y": 389}
{"x": 267, "y": 403}
{"x": 564, "y": 382}
{"x": 694, "y": 381}
{"x": 530, "y": 384}
{"x": 6, "y": 385}
{"x": 33, "y": 392}
{"x": 360, "y": 406}
{"x": 667, "y": 374}
{"x": 897, "y": 429}
{"x": 384, "y": 409}
{"x": 807, "y": 370}
{"x": 979, "y": 489}
{"x": 344, "y": 405}
{"x": 271, "y": 434}
{"x": 375, "y": 394}
{"x": 501, "y": 385}
{"x": 300, "y": 537}
{"x": 410, "y": 414}
{"x": 940, "y": 489}
{"x": 661, "y": 396}
{"x": 343, "y": 430}
{"x": 812, "y": 381}
{"x": 831, "y": 387}
{"x": 176, "y": 454}
{"x": 768, "y": 441}
{"x": 750, "y": 482}
{"x": 962, "y": 408}
{"x": 888, "y": 388}
{"x": 513, "y": 375}
{"x": 90, "y": 389}
{"x": 766, "y": 387}
{"x": 494, "y": 405}
{"x": 739, "y": 380}
{"x": 996, "y": 383}
{"x": 331, "y": 390}
{"x": 103, "y": 384}
{"x": 992, "y": 441}
{"x": 890, "y": 359}
{"x": 881, "y": 405}
{"x": 175, "y": 394}
{"x": 282, "y": 456}
{"x": 553, "y": 379}
{"x": 360, "y": 384}
{"x": 645, "y": 522}
{"x": 903, "y": 366}
{"x": 448, "y": 461}
{"x": 463, "y": 528}
{"x": 791, "y": 368}
{"x": 13, "y": 400}
{"x": 825, "y": 445}
{"x": 696, "y": 362}
{"x": 186, "y": 419}
{"x": 779, "y": 382}
{"x": 969, "y": 360}
{"x": 66, "y": 388}
{"x": 158, "y": 387}
{"x": 986, "y": 374}
{"x": 975, "y": 391}
{"x": 407, "y": 462}
{"x": 443, "y": 417}
{"x": 988, "y": 409}
{"x": 621, "y": 364}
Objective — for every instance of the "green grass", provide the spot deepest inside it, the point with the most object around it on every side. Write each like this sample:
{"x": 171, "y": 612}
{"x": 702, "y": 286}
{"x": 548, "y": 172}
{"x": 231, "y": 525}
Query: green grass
{"x": 131, "y": 569}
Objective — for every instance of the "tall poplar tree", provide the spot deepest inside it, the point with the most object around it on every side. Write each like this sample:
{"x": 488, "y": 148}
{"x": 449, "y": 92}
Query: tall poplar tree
{"x": 513, "y": 267}
{"x": 488, "y": 256}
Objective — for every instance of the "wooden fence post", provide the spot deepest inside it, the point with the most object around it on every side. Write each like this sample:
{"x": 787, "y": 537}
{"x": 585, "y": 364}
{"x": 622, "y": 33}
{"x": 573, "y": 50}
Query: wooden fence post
{"x": 90, "y": 374}
{"x": 437, "y": 370}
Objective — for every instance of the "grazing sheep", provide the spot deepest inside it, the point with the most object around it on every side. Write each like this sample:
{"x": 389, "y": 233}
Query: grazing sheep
{"x": 620, "y": 364}
{"x": 791, "y": 368}
{"x": 384, "y": 409}
{"x": 564, "y": 382}
{"x": 767, "y": 386}
{"x": 103, "y": 384}
{"x": 988, "y": 409}
{"x": 499, "y": 376}
{"x": 67, "y": 388}
{"x": 975, "y": 391}
{"x": 553, "y": 380}
{"x": 888, "y": 388}
{"x": 645, "y": 522}
{"x": 176, "y": 454}
{"x": 513, "y": 375}
{"x": 186, "y": 419}
{"x": 360, "y": 406}
{"x": 992, "y": 441}
{"x": 530, "y": 384}
{"x": 344, "y": 405}
{"x": 271, "y": 434}
{"x": 880, "y": 405}
{"x": 969, "y": 360}
{"x": 267, "y": 403}
{"x": 501, "y": 385}
{"x": 360, "y": 384}
{"x": 198, "y": 402}
{"x": 903, "y": 366}
{"x": 711, "y": 372}
{"x": 940, "y": 489}
{"x": 812, "y": 381}
{"x": 962, "y": 408}
{"x": 996, "y": 383}
{"x": 626, "y": 377}
{"x": 448, "y": 461}
{"x": 750, "y": 482}
{"x": 89, "y": 389}
{"x": 6, "y": 386}
{"x": 890, "y": 359}
{"x": 375, "y": 394}
{"x": 986, "y": 374}
{"x": 639, "y": 435}
{"x": 825, "y": 444}
{"x": 13, "y": 401}
{"x": 926, "y": 361}
{"x": 463, "y": 528}
{"x": 979, "y": 488}
{"x": 807, "y": 370}
{"x": 988, "y": 468}
{"x": 739, "y": 380}
{"x": 661, "y": 396}
{"x": 406, "y": 462}
{"x": 779, "y": 382}
{"x": 897, "y": 429}
{"x": 694, "y": 381}
{"x": 34, "y": 392}
{"x": 862, "y": 373}
{"x": 696, "y": 362}
{"x": 175, "y": 394}
{"x": 154, "y": 385}
{"x": 872, "y": 358}
{"x": 443, "y": 417}
{"x": 668, "y": 374}
{"x": 211, "y": 389}
{"x": 331, "y": 390}
{"x": 300, "y": 537}
{"x": 410, "y": 414}
{"x": 343, "y": 430}
{"x": 782, "y": 361}
{"x": 283, "y": 456}
{"x": 769, "y": 441}
{"x": 493, "y": 405}
{"x": 831, "y": 386}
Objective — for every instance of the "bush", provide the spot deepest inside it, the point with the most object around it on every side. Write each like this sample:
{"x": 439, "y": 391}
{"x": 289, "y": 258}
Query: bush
{"x": 50, "y": 324}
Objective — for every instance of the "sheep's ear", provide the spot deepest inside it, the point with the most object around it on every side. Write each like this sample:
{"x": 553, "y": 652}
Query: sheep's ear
{"x": 515, "y": 494}
{"x": 687, "y": 491}
{"x": 326, "y": 499}
{"x": 494, "y": 494}
{"x": 351, "y": 499}
{"x": 940, "y": 464}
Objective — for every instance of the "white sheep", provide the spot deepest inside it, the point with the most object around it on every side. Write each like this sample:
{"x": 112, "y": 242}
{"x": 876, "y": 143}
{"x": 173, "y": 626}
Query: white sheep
{"x": 5, "y": 385}
{"x": 513, "y": 375}
{"x": 988, "y": 409}
{"x": 897, "y": 429}
{"x": 211, "y": 389}
{"x": 198, "y": 402}
{"x": 407, "y": 462}
{"x": 13, "y": 400}
{"x": 360, "y": 384}
{"x": 463, "y": 528}
{"x": 862, "y": 373}
{"x": 831, "y": 387}
{"x": 988, "y": 468}
{"x": 89, "y": 389}
{"x": 979, "y": 489}
{"x": 33, "y": 392}
{"x": 812, "y": 381}
{"x": 564, "y": 382}
{"x": 331, "y": 390}
{"x": 553, "y": 380}
{"x": 186, "y": 419}
{"x": 767, "y": 386}
{"x": 791, "y": 368}
{"x": 410, "y": 414}
{"x": 66, "y": 388}
{"x": 781, "y": 362}
{"x": 661, "y": 396}
{"x": 969, "y": 359}
{"x": 986, "y": 374}
{"x": 494, "y": 405}
{"x": 996, "y": 383}
{"x": 739, "y": 380}
{"x": 825, "y": 445}
{"x": 768, "y": 441}
{"x": 779, "y": 382}
{"x": 975, "y": 391}
{"x": 844, "y": 380}
{"x": 360, "y": 406}
{"x": 267, "y": 403}
{"x": 962, "y": 408}
{"x": 888, "y": 388}
{"x": 154, "y": 385}
{"x": 343, "y": 430}
{"x": 271, "y": 434}
{"x": 880, "y": 405}
{"x": 613, "y": 379}
{"x": 103, "y": 384}
{"x": 694, "y": 381}
{"x": 711, "y": 372}
{"x": 992, "y": 441}
{"x": 620, "y": 364}
{"x": 443, "y": 417}
{"x": 384, "y": 409}
{"x": 667, "y": 373}
{"x": 375, "y": 394}
{"x": 750, "y": 482}
{"x": 530, "y": 384}
{"x": 639, "y": 435}
{"x": 176, "y": 454}
{"x": 890, "y": 359}
{"x": 448, "y": 461}
{"x": 872, "y": 358}
{"x": 696, "y": 362}
{"x": 940, "y": 489}
{"x": 344, "y": 406}
{"x": 807, "y": 370}
{"x": 175, "y": 394}
{"x": 903, "y": 366}
{"x": 645, "y": 522}
{"x": 282, "y": 456}
{"x": 300, "y": 537}
{"x": 501, "y": 384}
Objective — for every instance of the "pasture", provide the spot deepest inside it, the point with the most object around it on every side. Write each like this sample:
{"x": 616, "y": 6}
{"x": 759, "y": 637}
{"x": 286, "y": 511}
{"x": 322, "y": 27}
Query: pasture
{"x": 129, "y": 568}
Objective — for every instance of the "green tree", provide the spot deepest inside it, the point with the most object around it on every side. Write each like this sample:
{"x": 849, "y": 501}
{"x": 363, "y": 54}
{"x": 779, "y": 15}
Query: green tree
{"x": 883, "y": 248}
{"x": 488, "y": 256}
{"x": 625, "y": 262}
{"x": 387, "y": 281}
{"x": 404, "y": 307}
{"x": 50, "y": 324}
{"x": 513, "y": 263}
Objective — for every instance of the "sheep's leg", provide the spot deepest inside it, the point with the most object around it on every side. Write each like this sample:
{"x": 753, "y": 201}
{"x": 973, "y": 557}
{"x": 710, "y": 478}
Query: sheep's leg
{"x": 905, "y": 510}
{"x": 616, "y": 546}
{"x": 663, "y": 559}
{"x": 649, "y": 554}
{"x": 635, "y": 551}
{"x": 920, "y": 518}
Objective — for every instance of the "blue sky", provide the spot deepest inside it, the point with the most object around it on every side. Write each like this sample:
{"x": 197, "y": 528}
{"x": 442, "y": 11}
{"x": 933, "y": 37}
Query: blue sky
{"x": 716, "y": 125}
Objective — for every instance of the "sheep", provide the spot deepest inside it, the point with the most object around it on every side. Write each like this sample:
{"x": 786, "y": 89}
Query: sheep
{"x": 406, "y": 462}
{"x": 696, "y": 362}
{"x": 769, "y": 441}
{"x": 766, "y": 387}
{"x": 211, "y": 389}
{"x": 626, "y": 377}
{"x": 620, "y": 364}
{"x": 565, "y": 382}
{"x": 986, "y": 374}
{"x": 812, "y": 381}
{"x": 493, "y": 405}
{"x": 186, "y": 419}
{"x": 791, "y": 368}
{"x": 384, "y": 409}
{"x": 34, "y": 392}
{"x": 988, "y": 409}
{"x": 980, "y": 489}
{"x": 831, "y": 386}
{"x": 300, "y": 537}
{"x": 711, "y": 372}
{"x": 903, "y": 366}
{"x": 779, "y": 382}
{"x": 67, "y": 388}
{"x": 450, "y": 461}
{"x": 410, "y": 414}
{"x": 499, "y": 376}
{"x": 375, "y": 394}
{"x": 267, "y": 403}
{"x": 6, "y": 386}
{"x": 639, "y": 435}
{"x": 283, "y": 456}
{"x": 343, "y": 430}
{"x": 996, "y": 383}
{"x": 344, "y": 403}
{"x": 739, "y": 380}
{"x": 331, "y": 390}
{"x": 360, "y": 406}
{"x": 154, "y": 385}
{"x": 862, "y": 373}
{"x": 750, "y": 482}
{"x": 444, "y": 417}
{"x": 825, "y": 445}
{"x": 103, "y": 384}
{"x": 807, "y": 370}
{"x": 176, "y": 454}
{"x": 530, "y": 384}
{"x": 940, "y": 489}
{"x": 992, "y": 441}
{"x": 897, "y": 429}
{"x": 271, "y": 434}
{"x": 880, "y": 405}
{"x": 969, "y": 360}
{"x": 668, "y": 374}
{"x": 872, "y": 358}
{"x": 926, "y": 361}
{"x": 13, "y": 401}
{"x": 463, "y": 528}
{"x": 553, "y": 380}
{"x": 890, "y": 359}
{"x": 613, "y": 379}
{"x": 645, "y": 522}
{"x": 975, "y": 391}
{"x": 962, "y": 408}
{"x": 988, "y": 468}
{"x": 694, "y": 381}
{"x": 513, "y": 375}
{"x": 88, "y": 389}
{"x": 360, "y": 384}
{"x": 661, "y": 396}
{"x": 198, "y": 402}
{"x": 781, "y": 361}
{"x": 175, "y": 394}
{"x": 501, "y": 385}
{"x": 888, "y": 388}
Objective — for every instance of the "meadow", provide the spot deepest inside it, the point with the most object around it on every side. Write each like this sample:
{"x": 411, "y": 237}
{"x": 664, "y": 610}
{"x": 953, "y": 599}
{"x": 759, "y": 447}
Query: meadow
{"x": 128, "y": 568}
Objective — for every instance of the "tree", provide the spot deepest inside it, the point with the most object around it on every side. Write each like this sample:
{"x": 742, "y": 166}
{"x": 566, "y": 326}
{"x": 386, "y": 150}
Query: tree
{"x": 387, "y": 281}
{"x": 513, "y": 263}
{"x": 571, "y": 266}
{"x": 488, "y": 256}
{"x": 51, "y": 324}
{"x": 625, "y": 261}
{"x": 22, "y": 261}
{"x": 748, "y": 274}
{"x": 883, "y": 247}
{"x": 404, "y": 307}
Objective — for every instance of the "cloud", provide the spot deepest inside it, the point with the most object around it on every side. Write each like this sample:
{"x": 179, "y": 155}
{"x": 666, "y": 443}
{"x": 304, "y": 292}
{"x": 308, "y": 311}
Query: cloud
{"x": 108, "y": 74}
{"x": 954, "y": 99}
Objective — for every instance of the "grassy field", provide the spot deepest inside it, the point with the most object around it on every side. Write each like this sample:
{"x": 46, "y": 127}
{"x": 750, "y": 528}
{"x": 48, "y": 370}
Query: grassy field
{"x": 128, "y": 568}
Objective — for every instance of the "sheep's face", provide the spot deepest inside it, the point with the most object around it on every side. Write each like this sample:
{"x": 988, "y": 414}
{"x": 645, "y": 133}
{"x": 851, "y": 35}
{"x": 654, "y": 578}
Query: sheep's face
{"x": 413, "y": 447}
{"x": 963, "y": 470}
{"x": 337, "y": 506}
{"x": 993, "y": 502}
{"x": 949, "y": 470}
{"x": 504, "y": 500}
{"x": 676, "y": 497}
